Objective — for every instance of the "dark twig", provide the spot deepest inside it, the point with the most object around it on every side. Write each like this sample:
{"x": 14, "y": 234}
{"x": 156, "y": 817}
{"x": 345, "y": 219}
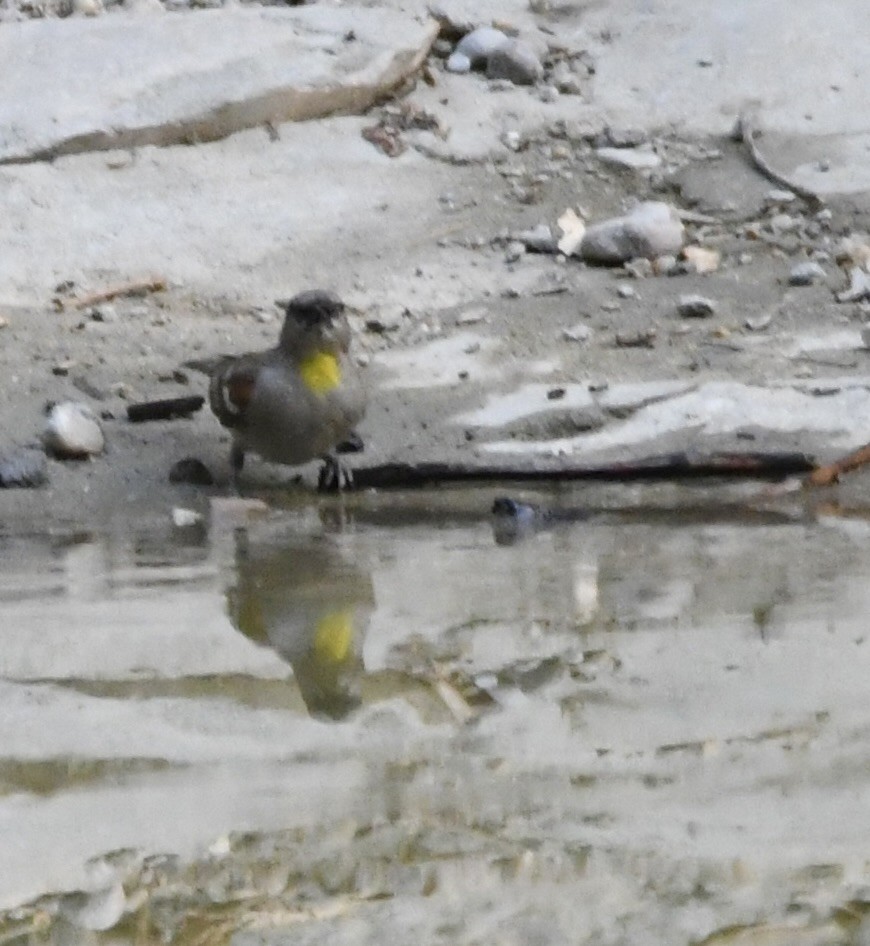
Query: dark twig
{"x": 165, "y": 409}
{"x": 670, "y": 466}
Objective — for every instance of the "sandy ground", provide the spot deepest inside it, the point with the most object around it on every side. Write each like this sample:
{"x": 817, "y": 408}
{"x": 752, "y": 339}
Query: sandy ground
{"x": 447, "y": 316}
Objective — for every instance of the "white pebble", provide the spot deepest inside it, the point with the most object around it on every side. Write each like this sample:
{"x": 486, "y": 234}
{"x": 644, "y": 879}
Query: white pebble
{"x": 476, "y": 47}
{"x": 72, "y": 431}
{"x": 652, "y": 229}
{"x": 805, "y": 274}
{"x": 185, "y": 518}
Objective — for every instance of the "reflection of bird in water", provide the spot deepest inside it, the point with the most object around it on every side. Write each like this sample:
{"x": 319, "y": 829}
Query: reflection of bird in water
{"x": 312, "y": 608}
{"x": 299, "y": 400}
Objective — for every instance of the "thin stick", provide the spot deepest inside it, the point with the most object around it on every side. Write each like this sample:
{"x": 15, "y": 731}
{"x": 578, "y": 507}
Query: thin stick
{"x": 831, "y": 472}
{"x": 138, "y": 287}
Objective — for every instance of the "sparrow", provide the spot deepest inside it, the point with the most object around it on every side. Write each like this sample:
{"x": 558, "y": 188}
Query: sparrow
{"x": 299, "y": 400}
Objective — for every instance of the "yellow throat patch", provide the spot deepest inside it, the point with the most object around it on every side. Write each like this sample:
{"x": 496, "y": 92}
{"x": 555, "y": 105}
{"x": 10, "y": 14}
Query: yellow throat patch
{"x": 320, "y": 372}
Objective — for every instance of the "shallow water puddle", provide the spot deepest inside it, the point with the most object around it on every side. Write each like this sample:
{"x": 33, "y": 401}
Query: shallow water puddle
{"x": 646, "y": 727}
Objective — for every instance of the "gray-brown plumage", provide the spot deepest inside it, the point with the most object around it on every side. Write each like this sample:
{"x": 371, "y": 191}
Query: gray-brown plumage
{"x": 299, "y": 400}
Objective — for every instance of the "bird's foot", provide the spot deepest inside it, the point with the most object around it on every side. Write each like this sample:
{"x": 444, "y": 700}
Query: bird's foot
{"x": 334, "y": 475}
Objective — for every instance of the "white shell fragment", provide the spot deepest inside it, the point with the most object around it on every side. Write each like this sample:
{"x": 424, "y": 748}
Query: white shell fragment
{"x": 73, "y": 432}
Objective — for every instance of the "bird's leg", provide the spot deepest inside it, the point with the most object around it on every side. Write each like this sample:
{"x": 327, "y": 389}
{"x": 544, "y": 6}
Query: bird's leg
{"x": 352, "y": 443}
{"x": 334, "y": 475}
{"x": 237, "y": 461}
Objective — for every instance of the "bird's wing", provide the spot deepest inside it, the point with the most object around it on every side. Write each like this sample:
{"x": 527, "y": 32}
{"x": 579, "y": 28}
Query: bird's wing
{"x": 232, "y": 388}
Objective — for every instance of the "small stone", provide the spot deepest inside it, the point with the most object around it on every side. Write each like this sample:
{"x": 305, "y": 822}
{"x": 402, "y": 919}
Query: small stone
{"x": 442, "y": 48}
{"x": 471, "y": 316}
{"x": 639, "y": 268}
{"x": 624, "y": 137}
{"x": 625, "y": 291}
{"x": 701, "y": 260}
{"x": 118, "y": 160}
{"x": 666, "y": 265}
{"x": 143, "y": 7}
{"x": 784, "y": 223}
{"x": 853, "y": 251}
{"x": 695, "y": 307}
{"x": 387, "y": 318}
{"x": 103, "y": 313}
{"x": 573, "y": 229}
{"x": 577, "y": 333}
{"x": 779, "y": 196}
{"x": 652, "y": 229}
{"x": 122, "y": 390}
{"x": 24, "y": 468}
{"x": 86, "y": 7}
{"x": 758, "y": 323}
{"x": 4, "y": 322}
{"x": 515, "y": 61}
{"x": 73, "y": 432}
{"x": 459, "y": 63}
{"x": 859, "y": 286}
{"x": 512, "y": 140}
{"x": 805, "y": 274}
{"x": 645, "y": 338}
{"x": 185, "y": 518}
{"x": 63, "y": 368}
{"x": 548, "y": 93}
{"x": 514, "y": 251}
{"x": 638, "y": 159}
{"x": 565, "y": 79}
{"x": 475, "y": 49}
{"x": 539, "y": 239}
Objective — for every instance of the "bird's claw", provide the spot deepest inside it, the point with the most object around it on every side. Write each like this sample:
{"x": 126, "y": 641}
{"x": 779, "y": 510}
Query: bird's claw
{"x": 334, "y": 475}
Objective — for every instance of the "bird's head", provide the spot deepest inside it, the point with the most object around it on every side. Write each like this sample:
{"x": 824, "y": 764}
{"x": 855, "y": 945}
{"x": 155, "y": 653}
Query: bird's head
{"x": 314, "y": 318}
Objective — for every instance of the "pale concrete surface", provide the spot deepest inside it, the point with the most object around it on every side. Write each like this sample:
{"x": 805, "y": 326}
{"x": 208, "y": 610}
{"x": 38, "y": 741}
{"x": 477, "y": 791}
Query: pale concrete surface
{"x": 211, "y": 218}
{"x": 122, "y": 81}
